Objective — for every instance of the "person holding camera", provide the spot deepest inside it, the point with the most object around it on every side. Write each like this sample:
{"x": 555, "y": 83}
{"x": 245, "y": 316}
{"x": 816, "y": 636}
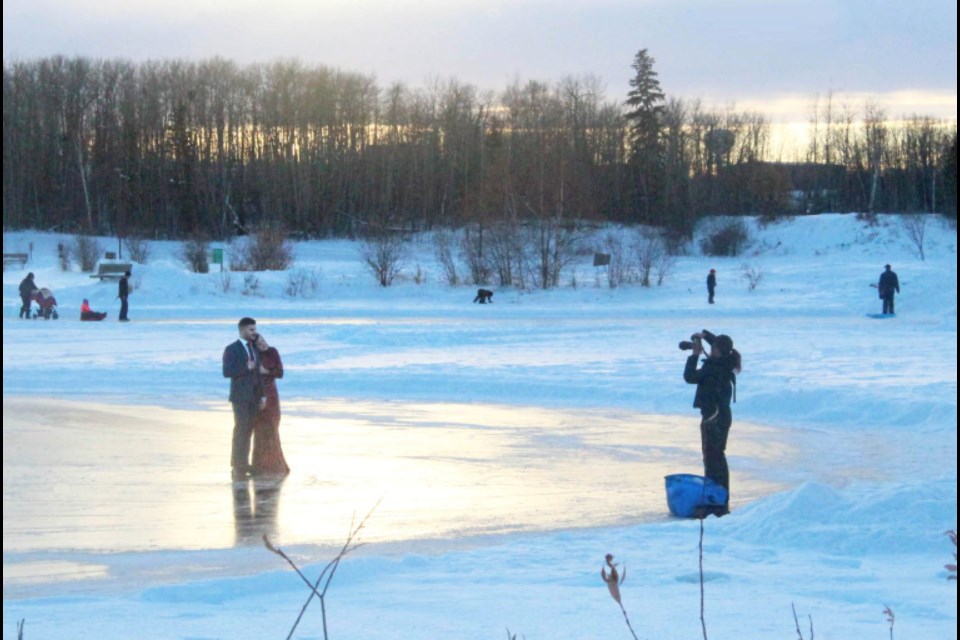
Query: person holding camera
{"x": 716, "y": 381}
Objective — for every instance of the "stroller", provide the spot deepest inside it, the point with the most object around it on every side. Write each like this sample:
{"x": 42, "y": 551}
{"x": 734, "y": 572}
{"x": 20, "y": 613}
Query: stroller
{"x": 48, "y": 304}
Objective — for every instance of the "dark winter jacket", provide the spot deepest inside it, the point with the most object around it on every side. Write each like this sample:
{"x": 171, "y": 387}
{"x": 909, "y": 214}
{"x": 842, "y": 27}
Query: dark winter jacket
{"x": 888, "y": 283}
{"x": 124, "y": 289}
{"x": 711, "y": 282}
{"x": 715, "y": 382}
{"x": 27, "y": 287}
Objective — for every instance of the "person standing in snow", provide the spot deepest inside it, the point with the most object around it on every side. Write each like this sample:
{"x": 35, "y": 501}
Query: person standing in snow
{"x": 716, "y": 382}
{"x": 711, "y": 284}
{"x": 27, "y": 288}
{"x": 123, "y": 291}
{"x": 267, "y": 459}
{"x": 888, "y": 286}
{"x": 241, "y": 363}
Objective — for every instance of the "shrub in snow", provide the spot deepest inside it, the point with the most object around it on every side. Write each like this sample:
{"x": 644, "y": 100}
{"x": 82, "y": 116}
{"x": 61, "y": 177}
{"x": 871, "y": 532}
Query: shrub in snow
{"x": 87, "y": 252}
{"x": 303, "y": 283}
{"x": 265, "y": 250}
{"x": 753, "y": 275}
{"x": 137, "y": 248}
{"x": 726, "y": 238}
{"x": 443, "y": 242}
{"x": 63, "y": 257}
{"x": 251, "y": 284}
{"x": 472, "y": 253}
{"x": 619, "y": 270}
{"x": 383, "y": 253}
{"x": 194, "y": 254}
{"x": 226, "y": 281}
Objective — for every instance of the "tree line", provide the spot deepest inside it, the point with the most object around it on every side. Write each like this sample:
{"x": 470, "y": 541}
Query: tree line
{"x": 179, "y": 148}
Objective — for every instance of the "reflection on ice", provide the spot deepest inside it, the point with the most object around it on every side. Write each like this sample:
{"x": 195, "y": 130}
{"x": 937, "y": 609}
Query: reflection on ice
{"x": 97, "y": 479}
{"x": 256, "y": 517}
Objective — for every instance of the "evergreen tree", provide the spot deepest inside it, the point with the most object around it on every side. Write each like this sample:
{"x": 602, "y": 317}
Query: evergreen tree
{"x": 644, "y": 115}
{"x": 950, "y": 180}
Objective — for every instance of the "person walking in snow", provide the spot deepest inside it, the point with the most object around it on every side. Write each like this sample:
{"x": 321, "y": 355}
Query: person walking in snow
{"x": 123, "y": 291}
{"x": 716, "y": 381}
{"x": 711, "y": 284}
{"x": 888, "y": 286}
{"x": 27, "y": 288}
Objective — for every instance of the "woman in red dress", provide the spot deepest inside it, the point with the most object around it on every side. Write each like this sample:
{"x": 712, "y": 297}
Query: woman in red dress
{"x": 267, "y": 454}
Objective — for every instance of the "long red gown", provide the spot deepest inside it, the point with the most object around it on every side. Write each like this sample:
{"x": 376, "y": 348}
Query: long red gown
{"x": 267, "y": 453}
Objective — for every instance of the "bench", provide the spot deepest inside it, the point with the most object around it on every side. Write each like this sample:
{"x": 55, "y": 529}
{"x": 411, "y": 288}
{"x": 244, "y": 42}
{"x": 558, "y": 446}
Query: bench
{"x": 10, "y": 258}
{"x": 111, "y": 270}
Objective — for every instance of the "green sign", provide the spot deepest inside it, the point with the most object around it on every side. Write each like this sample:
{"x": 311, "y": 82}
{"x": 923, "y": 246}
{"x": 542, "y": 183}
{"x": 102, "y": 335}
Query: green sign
{"x": 218, "y": 256}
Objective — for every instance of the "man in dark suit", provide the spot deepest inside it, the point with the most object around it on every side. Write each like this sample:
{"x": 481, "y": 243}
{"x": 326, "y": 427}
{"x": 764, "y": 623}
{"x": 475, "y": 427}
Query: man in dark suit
{"x": 242, "y": 365}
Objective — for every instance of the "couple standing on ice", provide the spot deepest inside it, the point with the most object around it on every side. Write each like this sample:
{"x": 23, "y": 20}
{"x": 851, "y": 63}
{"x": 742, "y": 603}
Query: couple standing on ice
{"x": 253, "y": 367}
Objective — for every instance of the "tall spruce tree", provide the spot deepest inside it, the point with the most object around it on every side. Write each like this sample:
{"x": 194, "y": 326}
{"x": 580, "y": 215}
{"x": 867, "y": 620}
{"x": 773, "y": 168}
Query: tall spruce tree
{"x": 645, "y": 104}
{"x": 950, "y": 180}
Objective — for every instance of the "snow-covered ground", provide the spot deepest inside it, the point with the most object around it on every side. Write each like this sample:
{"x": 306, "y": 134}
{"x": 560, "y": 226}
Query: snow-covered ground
{"x": 513, "y": 445}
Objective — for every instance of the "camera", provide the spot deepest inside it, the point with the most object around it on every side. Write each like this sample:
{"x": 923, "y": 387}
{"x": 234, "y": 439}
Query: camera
{"x": 687, "y": 345}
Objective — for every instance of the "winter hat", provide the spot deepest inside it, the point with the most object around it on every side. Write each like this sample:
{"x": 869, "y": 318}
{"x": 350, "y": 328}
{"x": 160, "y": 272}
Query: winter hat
{"x": 713, "y": 270}
{"x": 724, "y": 344}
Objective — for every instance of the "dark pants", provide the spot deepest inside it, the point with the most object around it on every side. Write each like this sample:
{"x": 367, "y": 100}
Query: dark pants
{"x": 243, "y": 415}
{"x": 714, "y": 428}
{"x": 25, "y": 307}
{"x": 123, "y": 308}
{"x": 888, "y": 302}
{"x": 710, "y": 295}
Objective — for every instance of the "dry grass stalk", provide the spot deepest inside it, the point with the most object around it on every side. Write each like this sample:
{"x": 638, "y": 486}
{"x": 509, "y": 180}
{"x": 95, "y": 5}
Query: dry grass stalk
{"x": 952, "y": 568}
{"x": 613, "y": 581}
{"x": 890, "y": 618}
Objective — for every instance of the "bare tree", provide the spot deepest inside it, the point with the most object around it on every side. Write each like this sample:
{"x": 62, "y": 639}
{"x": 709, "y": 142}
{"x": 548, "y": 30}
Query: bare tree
{"x": 384, "y": 253}
{"x": 915, "y": 228}
{"x": 87, "y": 252}
{"x": 443, "y": 244}
{"x": 195, "y": 254}
{"x": 649, "y": 251}
{"x": 619, "y": 270}
{"x": 138, "y": 248}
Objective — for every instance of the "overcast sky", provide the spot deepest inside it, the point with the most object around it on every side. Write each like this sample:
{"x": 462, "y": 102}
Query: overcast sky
{"x": 771, "y": 55}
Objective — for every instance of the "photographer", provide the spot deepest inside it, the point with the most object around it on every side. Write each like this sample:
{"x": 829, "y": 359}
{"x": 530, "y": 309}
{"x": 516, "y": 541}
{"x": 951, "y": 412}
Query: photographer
{"x": 716, "y": 383}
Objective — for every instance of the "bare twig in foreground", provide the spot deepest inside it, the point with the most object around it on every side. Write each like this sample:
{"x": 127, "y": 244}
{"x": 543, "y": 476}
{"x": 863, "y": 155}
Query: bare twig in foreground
{"x": 326, "y": 576}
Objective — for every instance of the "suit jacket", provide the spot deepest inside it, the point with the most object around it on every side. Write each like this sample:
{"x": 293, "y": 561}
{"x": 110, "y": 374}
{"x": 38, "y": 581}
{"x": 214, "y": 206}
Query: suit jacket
{"x": 245, "y": 384}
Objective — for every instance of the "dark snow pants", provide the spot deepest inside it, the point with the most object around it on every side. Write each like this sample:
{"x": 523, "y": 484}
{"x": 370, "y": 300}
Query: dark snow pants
{"x": 888, "y": 302}
{"x": 714, "y": 428}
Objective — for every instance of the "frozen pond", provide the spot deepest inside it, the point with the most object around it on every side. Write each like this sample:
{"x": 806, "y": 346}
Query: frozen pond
{"x": 100, "y": 479}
